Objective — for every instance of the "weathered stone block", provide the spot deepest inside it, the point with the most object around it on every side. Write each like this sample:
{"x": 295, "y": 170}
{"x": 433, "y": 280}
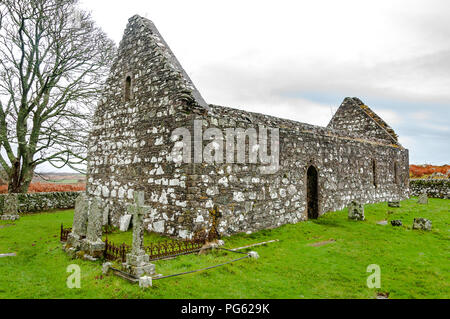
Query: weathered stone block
{"x": 396, "y": 223}
{"x": 423, "y": 199}
{"x": 394, "y": 204}
{"x": 356, "y": 211}
{"x": 422, "y": 224}
{"x": 105, "y": 267}
{"x": 145, "y": 281}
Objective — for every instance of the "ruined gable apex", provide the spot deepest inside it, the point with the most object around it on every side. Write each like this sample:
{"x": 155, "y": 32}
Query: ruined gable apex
{"x": 142, "y": 47}
{"x": 356, "y": 117}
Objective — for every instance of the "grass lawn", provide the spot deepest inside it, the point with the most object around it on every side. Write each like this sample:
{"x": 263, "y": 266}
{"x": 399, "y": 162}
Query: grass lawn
{"x": 414, "y": 264}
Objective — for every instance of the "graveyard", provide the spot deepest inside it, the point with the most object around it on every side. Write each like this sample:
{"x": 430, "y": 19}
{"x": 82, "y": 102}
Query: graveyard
{"x": 323, "y": 258}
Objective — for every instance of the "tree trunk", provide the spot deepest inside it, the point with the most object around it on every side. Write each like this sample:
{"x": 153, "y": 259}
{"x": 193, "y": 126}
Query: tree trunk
{"x": 20, "y": 178}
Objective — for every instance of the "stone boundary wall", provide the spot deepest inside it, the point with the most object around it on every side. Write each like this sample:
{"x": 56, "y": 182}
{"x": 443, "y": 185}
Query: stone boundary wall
{"x": 436, "y": 188}
{"x": 38, "y": 202}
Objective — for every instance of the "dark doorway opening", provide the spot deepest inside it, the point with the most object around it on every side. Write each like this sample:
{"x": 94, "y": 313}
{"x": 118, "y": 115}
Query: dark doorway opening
{"x": 312, "y": 193}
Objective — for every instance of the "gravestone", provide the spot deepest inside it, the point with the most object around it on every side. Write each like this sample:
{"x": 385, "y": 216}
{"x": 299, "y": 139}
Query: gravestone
{"x": 10, "y": 207}
{"x": 356, "y": 211}
{"x": 394, "y": 204}
{"x": 124, "y": 222}
{"x": 396, "y": 223}
{"x": 423, "y": 198}
{"x": 80, "y": 220}
{"x": 422, "y": 224}
{"x": 137, "y": 261}
{"x": 93, "y": 242}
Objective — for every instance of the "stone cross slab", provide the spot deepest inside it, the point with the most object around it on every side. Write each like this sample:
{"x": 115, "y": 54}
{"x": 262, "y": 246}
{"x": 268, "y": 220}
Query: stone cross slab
{"x": 95, "y": 219}
{"x": 80, "y": 216}
{"x": 138, "y": 210}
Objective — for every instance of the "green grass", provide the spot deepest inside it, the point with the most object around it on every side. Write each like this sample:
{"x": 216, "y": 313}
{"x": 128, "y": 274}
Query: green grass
{"x": 414, "y": 264}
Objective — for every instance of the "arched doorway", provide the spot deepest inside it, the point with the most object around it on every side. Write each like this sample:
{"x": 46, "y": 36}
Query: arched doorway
{"x": 312, "y": 193}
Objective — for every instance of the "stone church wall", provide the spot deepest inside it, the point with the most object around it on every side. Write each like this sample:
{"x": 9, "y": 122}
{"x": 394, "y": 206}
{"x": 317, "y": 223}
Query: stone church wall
{"x": 148, "y": 96}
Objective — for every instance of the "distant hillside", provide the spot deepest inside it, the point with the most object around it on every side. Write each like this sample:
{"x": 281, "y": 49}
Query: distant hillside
{"x": 429, "y": 171}
{"x": 60, "y": 178}
{"x": 51, "y": 182}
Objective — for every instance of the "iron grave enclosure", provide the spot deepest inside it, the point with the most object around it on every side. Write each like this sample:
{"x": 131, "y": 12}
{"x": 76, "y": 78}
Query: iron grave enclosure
{"x": 148, "y": 95}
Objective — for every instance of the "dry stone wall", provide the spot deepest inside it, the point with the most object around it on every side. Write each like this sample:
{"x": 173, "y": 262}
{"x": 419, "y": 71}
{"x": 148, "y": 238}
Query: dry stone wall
{"x": 436, "y": 188}
{"x": 38, "y": 202}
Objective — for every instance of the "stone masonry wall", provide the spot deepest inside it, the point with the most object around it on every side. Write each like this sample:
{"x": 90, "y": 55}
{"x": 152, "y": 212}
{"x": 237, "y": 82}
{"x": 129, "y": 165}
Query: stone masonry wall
{"x": 39, "y": 202}
{"x": 130, "y": 150}
{"x": 250, "y": 201}
{"x": 437, "y": 188}
{"x": 353, "y": 116}
{"x": 130, "y": 142}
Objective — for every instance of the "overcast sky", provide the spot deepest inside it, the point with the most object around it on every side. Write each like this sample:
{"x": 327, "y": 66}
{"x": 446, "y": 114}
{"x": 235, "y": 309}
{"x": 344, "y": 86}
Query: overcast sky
{"x": 299, "y": 59}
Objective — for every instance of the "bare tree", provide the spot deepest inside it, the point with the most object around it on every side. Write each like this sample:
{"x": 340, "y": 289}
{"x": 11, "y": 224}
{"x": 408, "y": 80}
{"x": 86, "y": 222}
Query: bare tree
{"x": 53, "y": 61}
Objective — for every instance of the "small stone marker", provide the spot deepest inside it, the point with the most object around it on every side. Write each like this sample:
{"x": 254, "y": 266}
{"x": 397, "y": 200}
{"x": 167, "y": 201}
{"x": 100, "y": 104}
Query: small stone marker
{"x": 396, "y": 223}
{"x": 422, "y": 223}
{"x": 145, "y": 282}
{"x": 8, "y": 255}
{"x": 253, "y": 254}
{"x": 382, "y": 222}
{"x": 105, "y": 267}
{"x": 137, "y": 261}
{"x": 10, "y": 208}
{"x": 394, "y": 204}
{"x": 124, "y": 222}
{"x": 356, "y": 211}
{"x": 382, "y": 295}
{"x": 423, "y": 198}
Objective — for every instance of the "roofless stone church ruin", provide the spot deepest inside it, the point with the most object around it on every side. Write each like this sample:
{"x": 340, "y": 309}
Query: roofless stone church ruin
{"x": 312, "y": 169}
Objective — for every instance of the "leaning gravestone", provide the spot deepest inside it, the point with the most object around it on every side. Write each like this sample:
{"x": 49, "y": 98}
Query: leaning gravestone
{"x": 422, "y": 223}
{"x": 423, "y": 198}
{"x": 356, "y": 211}
{"x": 80, "y": 220}
{"x": 137, "y": 262}
{"x": 93, "y": 242}
{"x": 10, "y": 207}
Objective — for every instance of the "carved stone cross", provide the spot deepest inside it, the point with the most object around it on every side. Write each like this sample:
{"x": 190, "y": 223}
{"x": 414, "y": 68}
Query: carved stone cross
{"x": 138, "y": 210}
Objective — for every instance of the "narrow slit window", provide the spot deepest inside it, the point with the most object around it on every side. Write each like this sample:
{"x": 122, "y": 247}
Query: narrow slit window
{"x": 128, "y": 89}
{"x": 395, "y": 173}
{"x": 374, "y": 173}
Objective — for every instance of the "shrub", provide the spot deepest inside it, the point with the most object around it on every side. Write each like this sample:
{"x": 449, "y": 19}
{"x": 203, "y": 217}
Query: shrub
{"x": 39, "y": 187}
{"x": 421, "y": 171}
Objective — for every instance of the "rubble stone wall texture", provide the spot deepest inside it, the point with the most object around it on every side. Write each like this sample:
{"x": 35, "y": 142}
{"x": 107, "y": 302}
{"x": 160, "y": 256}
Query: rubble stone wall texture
{"x": 38, "y": 202}
{"x": 436, "y": 188}
{"x": 130, "y": 150}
